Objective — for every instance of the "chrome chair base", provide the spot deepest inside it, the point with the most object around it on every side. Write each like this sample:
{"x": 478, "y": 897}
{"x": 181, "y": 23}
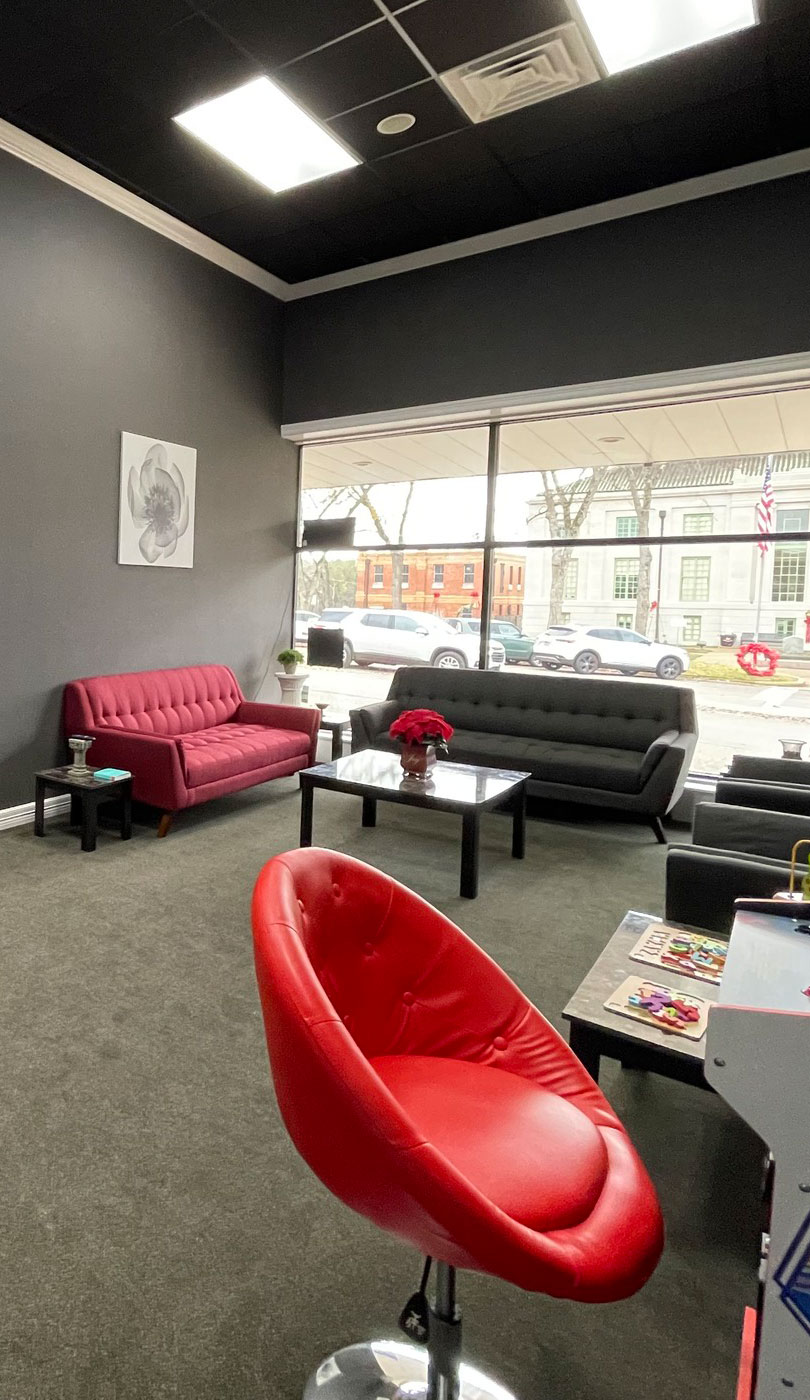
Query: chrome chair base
{"x": 392, "y": 1370}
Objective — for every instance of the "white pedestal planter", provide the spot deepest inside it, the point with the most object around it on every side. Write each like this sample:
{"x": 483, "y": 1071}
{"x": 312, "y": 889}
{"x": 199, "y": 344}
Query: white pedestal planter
{"x": 291, "y": 686}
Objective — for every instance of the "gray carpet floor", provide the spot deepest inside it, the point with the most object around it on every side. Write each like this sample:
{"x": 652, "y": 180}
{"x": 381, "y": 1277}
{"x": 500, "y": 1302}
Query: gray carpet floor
{"x": 160, "y": 1236}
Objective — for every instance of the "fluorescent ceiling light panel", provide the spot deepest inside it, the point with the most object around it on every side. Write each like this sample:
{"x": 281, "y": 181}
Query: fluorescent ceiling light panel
{"x": 630, "y": 32}
{"x": 260, "y": 129}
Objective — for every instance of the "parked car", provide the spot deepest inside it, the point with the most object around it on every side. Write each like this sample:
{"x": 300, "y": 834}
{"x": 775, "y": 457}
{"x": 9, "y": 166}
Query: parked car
{"x": 590, "y": 649}
{"x": 516, "y": 644}
{"x": 303, "y": 622}
{"x": 334, "y": 616}
{"x": 403, "y": 638}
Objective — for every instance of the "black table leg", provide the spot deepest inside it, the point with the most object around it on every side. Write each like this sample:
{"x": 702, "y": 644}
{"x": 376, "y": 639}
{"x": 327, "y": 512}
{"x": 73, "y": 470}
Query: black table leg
{"x": 337, "y": 744}
{"x": 39, "y": 808}
{"x": 126, "y": 815}
{"x": 75, "y": 809}
{"x": 580, "y": 1041}
{"x": 369, "y": 811}
{"x": 519, "y": 823}
{"x": 469, "y": 855}
{"x": 305, "y": 838}
{"x": 89, "y": 822}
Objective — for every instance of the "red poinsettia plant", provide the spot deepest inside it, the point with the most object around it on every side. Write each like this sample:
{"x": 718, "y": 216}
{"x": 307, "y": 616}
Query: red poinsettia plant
{"x": 422, "y": 727}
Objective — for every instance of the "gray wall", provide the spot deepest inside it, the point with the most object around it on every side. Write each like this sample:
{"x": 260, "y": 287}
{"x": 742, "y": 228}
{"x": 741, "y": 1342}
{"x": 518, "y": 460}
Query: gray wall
{"x": 704, "y": 283}
{"x": 106, "y": 326}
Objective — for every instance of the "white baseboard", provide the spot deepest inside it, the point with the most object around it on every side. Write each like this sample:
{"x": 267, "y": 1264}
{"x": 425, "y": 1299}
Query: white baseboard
{"x": 22, "y": 815}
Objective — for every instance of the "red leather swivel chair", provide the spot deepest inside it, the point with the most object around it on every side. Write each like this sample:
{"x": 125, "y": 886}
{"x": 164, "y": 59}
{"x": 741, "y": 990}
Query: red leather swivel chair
{"x": 430, "y": 1095}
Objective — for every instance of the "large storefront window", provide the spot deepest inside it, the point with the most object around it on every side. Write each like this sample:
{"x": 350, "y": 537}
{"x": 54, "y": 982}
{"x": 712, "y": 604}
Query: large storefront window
{"x": 638, "y": 527}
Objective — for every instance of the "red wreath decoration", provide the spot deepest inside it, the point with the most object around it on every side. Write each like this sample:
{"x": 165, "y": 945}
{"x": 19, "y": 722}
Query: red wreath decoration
{"x": 758, "y": 660}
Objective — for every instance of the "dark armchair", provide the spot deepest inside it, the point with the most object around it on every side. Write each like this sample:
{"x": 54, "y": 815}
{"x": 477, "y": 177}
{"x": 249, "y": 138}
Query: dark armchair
{"x": 737, "y": 852}
{"x": 774, "y": 784}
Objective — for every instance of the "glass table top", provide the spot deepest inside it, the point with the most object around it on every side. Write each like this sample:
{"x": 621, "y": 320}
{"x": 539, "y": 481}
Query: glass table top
{"x": 381, "y": 771}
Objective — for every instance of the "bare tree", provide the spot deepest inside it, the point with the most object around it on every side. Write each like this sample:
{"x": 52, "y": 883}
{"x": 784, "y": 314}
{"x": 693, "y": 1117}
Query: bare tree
{"x": 566, "y": 506}
{"x": 642, "y": 478}
{"x": 361, "y": 496}
{"x": 357, "y": 497}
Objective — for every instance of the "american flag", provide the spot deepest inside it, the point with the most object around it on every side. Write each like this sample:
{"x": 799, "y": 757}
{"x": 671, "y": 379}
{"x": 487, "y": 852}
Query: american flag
{"x": 765, "y": 510}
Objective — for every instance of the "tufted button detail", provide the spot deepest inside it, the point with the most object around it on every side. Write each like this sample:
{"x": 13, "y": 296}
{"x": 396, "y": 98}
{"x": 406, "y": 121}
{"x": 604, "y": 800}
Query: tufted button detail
{"x": 407, "y": 998}
{"x": 336, "y": 891}
{"x": 499, "y": 1043}
{"x": 368, "y": 949}
{"x": 346, "y": 1019}
{"x": 301, "y": 905}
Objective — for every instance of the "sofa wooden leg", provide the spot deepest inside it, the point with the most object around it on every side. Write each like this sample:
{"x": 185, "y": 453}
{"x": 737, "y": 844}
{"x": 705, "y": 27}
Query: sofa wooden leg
{"x": 165, "y": 823}
{"x": 660, "y": 834}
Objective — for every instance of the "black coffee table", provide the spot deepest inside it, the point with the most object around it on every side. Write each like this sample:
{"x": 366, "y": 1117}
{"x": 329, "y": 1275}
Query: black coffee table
{"x": 595, "y": 1031}
{"x": 466, "y": 789}
{"x": 86, "y": 796}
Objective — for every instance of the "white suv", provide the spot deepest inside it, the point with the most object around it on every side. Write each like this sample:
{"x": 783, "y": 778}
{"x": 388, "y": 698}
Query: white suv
{"x": 410, "y": 639}
{"x": 589, "y": 649}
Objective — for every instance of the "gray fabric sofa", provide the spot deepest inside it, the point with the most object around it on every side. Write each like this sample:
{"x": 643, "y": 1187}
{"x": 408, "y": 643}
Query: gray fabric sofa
{"x": 608, "y": 743}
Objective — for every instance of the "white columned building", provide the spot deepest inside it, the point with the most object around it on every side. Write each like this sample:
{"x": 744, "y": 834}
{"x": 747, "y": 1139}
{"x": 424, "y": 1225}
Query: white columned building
{"x": 707, "y": 590}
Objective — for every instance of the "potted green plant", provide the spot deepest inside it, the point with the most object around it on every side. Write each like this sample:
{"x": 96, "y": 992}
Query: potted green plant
{"x": 289, "y": 659}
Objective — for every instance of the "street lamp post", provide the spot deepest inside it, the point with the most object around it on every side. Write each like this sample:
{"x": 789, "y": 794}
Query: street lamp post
{"x": 662, "y": 515}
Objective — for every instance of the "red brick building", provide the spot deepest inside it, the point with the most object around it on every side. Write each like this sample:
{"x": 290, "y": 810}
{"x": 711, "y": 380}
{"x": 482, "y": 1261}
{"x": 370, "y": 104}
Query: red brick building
{"x": 445, "y": 583}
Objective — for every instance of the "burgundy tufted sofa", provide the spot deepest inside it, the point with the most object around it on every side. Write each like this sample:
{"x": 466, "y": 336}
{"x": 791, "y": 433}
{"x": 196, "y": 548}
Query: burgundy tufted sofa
{"x": 188, "y": 734}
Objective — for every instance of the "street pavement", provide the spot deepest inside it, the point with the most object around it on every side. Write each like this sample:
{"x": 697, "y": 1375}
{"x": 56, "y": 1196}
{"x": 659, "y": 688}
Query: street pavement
{"x": 742, "y": 718}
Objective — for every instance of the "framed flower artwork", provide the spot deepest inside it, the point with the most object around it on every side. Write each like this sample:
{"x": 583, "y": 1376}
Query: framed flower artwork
{"x": 156, "y": 502}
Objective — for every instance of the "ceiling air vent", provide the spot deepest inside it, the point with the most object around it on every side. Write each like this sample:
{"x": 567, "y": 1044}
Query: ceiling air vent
{"x": 531, "y": 71}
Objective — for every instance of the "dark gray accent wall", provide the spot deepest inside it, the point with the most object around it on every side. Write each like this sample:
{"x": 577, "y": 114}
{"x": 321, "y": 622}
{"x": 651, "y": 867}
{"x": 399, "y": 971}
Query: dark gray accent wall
{"x": 106, "y": 326}
{"x": 710, "y": 282}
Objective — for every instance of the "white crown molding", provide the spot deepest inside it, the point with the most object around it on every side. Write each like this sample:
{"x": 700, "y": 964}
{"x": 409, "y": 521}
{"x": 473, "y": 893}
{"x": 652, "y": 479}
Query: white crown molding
{"x": 701, "y": 187}
{"x": 603, "y": 396}
{"x": 81, "y": 177}
{"x": 24, "y": 814}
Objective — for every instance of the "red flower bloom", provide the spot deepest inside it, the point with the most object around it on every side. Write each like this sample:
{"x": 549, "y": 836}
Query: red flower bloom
{"x": 421, "y": 727}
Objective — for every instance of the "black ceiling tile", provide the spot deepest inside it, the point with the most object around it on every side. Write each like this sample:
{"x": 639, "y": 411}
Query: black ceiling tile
{"x": 584, "y": 173}
{"x": 173, "y": 167}
{"x": 443, "y": 161}
{"x": 435, "y": 115}
{"x": 695, "y": 75}
{"x": 382, "y": 232}
{"x": 477, "y": 205}
{"x": 306, "y": 252}
{"x": 358, "y": 69}
{"x": 187, "y": 64}
{"x": 105, "y": 110}
{"x": 274, "y": 33}
{"x": 245, "y": 225}
{"x": 35, "y": 56}
{"x": 112, "y": 28}
{"x": 449, "y": 32}
{"x": 697, "y": 140}
{"x": 570, "y": 117}
{"x": 338, "y": 194}
{"x": 776, "y": 10}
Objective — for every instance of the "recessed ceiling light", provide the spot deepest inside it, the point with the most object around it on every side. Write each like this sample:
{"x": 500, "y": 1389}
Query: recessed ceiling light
{"x": 260, "y": 129}
{"x": 630, "y": 32}
{"x": 396, "y": 123}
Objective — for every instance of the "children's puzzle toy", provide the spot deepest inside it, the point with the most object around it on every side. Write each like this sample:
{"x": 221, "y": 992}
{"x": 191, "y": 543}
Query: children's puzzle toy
{"x": 697, "y": 955}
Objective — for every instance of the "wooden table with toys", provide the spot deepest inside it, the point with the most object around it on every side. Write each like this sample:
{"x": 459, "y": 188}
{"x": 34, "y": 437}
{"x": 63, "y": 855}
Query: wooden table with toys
{"x": 645, "y": 1001}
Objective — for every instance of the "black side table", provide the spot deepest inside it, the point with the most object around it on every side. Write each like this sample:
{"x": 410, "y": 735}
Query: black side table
{"x": 86, "y": 796}
{"x": 337, "y": 726}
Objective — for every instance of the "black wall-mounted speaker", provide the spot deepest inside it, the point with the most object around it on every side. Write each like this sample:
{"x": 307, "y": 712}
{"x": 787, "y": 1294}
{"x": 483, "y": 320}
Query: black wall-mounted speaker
{"x": 329, "y": 534}
{"x": 325, "y": 646}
